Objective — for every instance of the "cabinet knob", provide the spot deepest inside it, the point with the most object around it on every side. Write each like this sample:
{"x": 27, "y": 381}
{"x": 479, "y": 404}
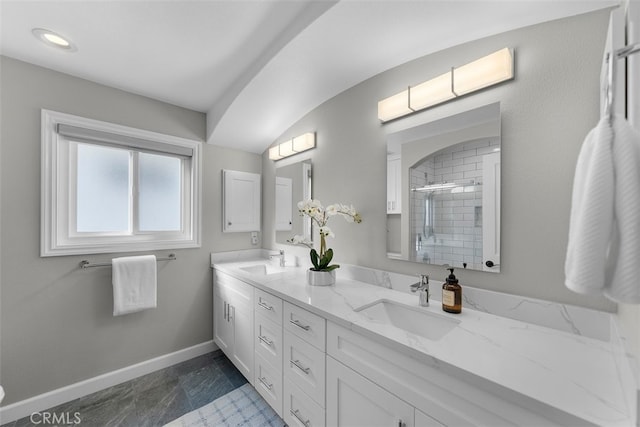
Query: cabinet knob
{"x": 229, "y": 223}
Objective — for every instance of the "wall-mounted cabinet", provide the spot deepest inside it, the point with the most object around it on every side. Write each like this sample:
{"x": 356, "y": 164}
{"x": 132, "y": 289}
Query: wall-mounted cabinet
{"x": 284, "y": 204}
{"x": 394, "y": 184}
{"x": 241, "y": 201}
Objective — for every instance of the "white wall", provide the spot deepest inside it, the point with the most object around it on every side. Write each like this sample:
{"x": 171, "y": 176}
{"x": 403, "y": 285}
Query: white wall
{"x": 56, "y": 323}
{"x": 546, "y": 113}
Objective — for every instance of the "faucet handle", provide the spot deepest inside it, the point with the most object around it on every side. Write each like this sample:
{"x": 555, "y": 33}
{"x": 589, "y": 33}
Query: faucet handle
{"x": 424, "y": 279}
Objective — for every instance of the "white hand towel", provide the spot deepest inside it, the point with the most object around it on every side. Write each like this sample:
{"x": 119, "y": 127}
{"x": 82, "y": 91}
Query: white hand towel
{"x": 623, "y": 275}
{"x": 134, "y": 284}
{"x": 591, "y": 220}
{"x": 603, "y": 255}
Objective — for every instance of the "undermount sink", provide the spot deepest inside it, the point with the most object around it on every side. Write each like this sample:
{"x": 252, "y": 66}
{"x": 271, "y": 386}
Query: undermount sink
{"x": 262, "y": 269}
{"x": 410, "y": 319}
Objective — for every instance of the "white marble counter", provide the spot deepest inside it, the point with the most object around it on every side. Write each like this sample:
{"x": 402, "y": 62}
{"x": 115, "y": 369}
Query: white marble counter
{"x": 582, "y": 374}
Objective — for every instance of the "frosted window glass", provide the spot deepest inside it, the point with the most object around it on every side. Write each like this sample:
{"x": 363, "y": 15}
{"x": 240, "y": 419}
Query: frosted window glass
{"x": 103, "y": 189}
{"x": 159, "y": 187}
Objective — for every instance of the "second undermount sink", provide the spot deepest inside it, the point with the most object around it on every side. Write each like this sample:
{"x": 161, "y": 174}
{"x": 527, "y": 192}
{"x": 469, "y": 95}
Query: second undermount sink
{"x": 411, "y": 319}
{"x": 262, "y": 269}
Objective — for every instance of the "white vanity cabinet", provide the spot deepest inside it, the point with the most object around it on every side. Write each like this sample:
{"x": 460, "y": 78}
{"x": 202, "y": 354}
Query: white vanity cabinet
{"x": 269, "y": 346}
{"x": 353, "y": 400}
{"x": 362, "y": 372}
{"x": 304, "y": 367}
{"x": 233, "y": 321}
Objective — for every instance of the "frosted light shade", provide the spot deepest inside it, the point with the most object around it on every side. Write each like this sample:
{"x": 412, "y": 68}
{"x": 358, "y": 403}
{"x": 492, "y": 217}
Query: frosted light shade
{"x": 286, "y": 148}
{"x": 431, "y": 92}
{"x": 304, "y": 142}
{"x": 484, "y": 72}
{"x": 274, "y": 153}
{"x": 394, "y": 106}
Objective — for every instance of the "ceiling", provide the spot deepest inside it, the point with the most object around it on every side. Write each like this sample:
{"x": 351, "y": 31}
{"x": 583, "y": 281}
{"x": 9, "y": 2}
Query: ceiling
{"x": 255, "y": 67}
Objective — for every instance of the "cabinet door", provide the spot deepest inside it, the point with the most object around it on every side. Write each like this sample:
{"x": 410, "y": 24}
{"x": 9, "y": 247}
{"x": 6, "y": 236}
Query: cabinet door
{"x": 394, "y": 184}
{"x": 222, "y": 327}
{"x": 241, "y": 200}
{"x": 233, "y": 321}
{"x": 241, "y": 315}
{"x": 284, "y": 204}
{"x": 353, "y": 400}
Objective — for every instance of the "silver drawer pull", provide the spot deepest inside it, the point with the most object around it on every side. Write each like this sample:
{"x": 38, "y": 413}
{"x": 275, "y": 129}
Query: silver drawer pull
{"x": 264, "y": 382}
{"x": 297, "y": 364}
{"x": 300, "y": 325}
{"x": 265, "y": 306}
{"x": 297, "y": 415}
{"x": 265, "y": 340}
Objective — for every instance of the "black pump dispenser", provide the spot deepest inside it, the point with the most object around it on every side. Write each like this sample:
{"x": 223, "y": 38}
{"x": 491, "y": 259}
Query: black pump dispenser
{"x": 452, "y": 278}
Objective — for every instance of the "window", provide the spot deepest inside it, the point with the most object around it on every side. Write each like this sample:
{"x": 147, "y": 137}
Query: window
{"x": 111, "y": 188}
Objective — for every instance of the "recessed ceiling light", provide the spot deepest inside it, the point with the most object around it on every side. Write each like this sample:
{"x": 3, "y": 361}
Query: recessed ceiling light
{"x": 52, "y": 39}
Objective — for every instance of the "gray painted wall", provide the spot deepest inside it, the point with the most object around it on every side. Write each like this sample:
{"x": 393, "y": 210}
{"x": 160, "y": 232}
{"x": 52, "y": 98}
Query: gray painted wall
{"x": 546, "y": 113}
{"x": 56, "y": 324}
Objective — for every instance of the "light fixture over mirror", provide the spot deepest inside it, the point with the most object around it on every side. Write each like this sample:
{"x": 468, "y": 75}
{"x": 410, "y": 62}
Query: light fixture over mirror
{"x": 293, "y": 146}
{"x": 484, "y": 72}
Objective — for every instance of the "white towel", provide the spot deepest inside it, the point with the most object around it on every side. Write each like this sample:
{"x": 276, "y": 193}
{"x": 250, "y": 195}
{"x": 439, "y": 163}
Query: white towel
{"x": 134, "y": 284}
{"x": 603, "y": 253}
{"x": 623, "y": 277}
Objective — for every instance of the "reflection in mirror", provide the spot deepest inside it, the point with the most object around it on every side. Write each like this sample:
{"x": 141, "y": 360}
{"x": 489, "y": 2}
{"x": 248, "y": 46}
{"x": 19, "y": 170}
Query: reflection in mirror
{"x": 443, "y": 191}
{"x": 293, "y": 184}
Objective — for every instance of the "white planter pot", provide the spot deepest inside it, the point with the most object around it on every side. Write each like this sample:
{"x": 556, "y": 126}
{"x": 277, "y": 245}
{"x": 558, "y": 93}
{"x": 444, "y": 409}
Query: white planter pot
{"x": 321, "y": 278}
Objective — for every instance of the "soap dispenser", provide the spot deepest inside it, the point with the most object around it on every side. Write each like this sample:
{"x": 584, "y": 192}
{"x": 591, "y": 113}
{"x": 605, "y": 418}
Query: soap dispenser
{"x": 451, "y": 294}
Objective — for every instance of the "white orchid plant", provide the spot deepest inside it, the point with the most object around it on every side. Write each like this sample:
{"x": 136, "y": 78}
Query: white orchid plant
{"x": 320, "y": 216}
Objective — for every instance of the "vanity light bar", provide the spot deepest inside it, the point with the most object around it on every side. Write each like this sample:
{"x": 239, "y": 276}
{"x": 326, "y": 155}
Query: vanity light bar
{"x": 489, "y": 70}
{"x": 293, "y": 146}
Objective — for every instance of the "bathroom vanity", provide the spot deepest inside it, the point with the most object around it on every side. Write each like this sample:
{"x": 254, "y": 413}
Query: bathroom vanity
{"x": 360, "y": 353}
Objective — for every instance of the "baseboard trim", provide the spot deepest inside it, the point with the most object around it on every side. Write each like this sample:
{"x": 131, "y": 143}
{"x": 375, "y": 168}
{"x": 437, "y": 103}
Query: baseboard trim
{"x": 44, "y": 401}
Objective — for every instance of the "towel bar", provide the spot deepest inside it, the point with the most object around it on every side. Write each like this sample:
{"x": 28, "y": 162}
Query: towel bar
{"x": 86, "y": 264}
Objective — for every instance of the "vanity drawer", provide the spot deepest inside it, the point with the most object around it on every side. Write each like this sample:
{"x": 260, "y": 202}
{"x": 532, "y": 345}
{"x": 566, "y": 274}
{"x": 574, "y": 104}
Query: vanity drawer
{"x": 299, "y": 410}
{"x": 268, "y": 305}
{"x": 304, "y": 365}
{"x": 268, "y": 382}
{"x": 308, "y": 326}
{"x": 268, "y": 340}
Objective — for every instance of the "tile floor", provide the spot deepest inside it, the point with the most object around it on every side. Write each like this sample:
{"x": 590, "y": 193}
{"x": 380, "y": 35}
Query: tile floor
{"x": 154, "y": 399}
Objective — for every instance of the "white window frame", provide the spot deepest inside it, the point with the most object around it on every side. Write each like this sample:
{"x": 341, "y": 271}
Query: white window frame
{"x": 56, "y": 235}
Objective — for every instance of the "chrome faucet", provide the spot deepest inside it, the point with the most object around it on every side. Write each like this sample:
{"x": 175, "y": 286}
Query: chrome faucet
{"x": 423, "y": 287}
{"x": 280, "y": 255}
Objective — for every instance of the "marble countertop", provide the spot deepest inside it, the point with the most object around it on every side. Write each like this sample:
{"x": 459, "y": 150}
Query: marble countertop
{"x": 575, "y": 374}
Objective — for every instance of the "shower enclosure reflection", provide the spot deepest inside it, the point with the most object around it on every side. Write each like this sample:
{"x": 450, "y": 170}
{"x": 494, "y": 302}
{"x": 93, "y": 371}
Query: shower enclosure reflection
{"x": 446, "y": 206}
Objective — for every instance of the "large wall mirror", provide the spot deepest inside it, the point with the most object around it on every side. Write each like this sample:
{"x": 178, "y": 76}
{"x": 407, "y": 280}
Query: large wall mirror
{"x": 443, "y": 191}
{"x": 293, "y": 184}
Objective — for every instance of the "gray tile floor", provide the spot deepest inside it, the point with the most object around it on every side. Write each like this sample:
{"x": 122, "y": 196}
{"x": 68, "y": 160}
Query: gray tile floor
{"x": 151, "y": 400}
